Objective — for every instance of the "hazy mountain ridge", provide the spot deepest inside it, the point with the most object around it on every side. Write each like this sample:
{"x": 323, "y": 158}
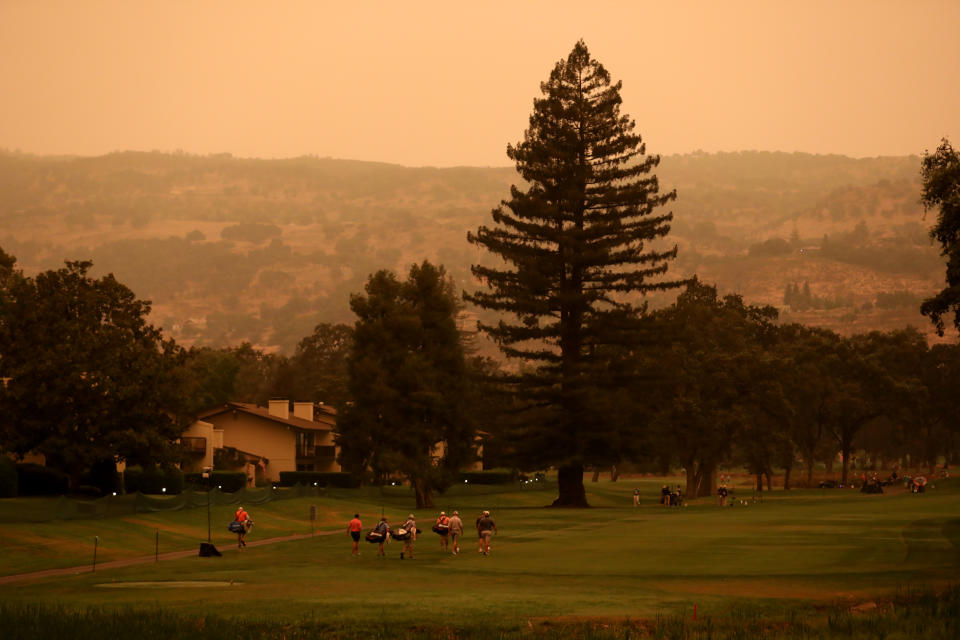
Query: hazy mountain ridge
{"x": 232, "y": 249}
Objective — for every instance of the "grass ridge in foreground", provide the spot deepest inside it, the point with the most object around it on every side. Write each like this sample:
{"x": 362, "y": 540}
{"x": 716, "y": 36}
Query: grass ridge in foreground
{"x": 931, "y": 615}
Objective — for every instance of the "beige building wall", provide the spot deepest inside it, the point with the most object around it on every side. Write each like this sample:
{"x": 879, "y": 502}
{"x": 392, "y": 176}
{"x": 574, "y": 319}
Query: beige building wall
{"x": 275, "y": 442}
{"x": 214, "y": 438}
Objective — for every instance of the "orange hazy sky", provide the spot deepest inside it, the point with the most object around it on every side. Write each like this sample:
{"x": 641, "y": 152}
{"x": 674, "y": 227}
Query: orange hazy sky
{"x": 451, "y": 83}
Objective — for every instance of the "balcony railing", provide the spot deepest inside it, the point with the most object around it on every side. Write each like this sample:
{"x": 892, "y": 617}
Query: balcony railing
{"x": 194, "y": 445}
{"x": 315, "y": 452}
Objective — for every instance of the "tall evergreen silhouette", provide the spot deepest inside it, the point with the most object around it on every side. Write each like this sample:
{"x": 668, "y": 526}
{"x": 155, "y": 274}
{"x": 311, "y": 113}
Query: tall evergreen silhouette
{"x": 575, "y": 244}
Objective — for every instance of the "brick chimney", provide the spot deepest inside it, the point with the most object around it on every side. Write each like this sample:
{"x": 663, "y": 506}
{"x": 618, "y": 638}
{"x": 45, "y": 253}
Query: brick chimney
{"x": 303, "y": 410}
{"x": 279, "y": 408}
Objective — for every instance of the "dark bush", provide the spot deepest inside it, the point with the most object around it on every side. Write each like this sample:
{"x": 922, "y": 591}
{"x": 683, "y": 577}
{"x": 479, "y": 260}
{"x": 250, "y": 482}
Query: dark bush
{"x": 103, "y": 475}
{"x": 322, "y": 479}
{"x": 37, "y": 480}
{"x": 132, "y": 479}
{"x": 153, "y": 480}
{"x": 771, "y": 247}
{"x": 8, "y": 477}
{"x": 226, "y": 481}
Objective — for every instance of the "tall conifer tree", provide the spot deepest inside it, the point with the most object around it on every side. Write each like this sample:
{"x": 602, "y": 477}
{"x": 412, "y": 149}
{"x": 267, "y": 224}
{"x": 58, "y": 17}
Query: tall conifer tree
{"x": 575, "y": 241}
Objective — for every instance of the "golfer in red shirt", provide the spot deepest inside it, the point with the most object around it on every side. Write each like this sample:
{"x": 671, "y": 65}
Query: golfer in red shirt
{"x": 353, "y": 529}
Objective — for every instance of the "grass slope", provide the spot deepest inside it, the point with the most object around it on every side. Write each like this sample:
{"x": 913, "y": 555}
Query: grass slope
{"x": 792, "y": 551}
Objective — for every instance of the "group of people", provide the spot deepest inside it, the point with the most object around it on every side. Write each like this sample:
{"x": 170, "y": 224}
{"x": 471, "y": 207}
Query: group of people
{"x": 449, "y": 528}
{"x": 670, "y": 498}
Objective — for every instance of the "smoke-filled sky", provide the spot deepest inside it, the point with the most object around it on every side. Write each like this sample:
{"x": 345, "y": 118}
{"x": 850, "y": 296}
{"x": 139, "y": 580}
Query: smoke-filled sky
{"x": 451, "y": 83}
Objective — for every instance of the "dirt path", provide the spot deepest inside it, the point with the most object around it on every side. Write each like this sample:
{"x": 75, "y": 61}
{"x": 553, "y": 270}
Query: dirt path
{"x": 127, "y": 562}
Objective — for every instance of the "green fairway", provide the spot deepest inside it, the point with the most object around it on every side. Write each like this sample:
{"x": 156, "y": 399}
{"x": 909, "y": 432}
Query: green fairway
{"x": 794, "y": 549}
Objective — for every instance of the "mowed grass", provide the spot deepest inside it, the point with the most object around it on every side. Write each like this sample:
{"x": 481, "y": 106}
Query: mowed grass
{"x": 794, "y": 551}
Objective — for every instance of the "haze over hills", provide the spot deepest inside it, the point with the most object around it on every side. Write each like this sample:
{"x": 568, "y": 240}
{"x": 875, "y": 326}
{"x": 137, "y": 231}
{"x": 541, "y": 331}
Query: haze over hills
{"x": 232, "y": 249}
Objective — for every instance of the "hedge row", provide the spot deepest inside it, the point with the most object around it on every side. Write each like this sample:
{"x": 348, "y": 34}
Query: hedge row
{"x": 38, "y": 480}
{"x": 8, "y": 477}
{"x": 226, "y": 481}
{"x": 321, "y": 479}
{"x": 152, "y": 480}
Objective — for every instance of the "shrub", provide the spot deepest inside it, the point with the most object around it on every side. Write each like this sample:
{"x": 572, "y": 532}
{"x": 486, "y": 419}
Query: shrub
{"x": 322, "y": 479}
{"x": 103, "y": 475}
{"x": 227, "y": 481}
{"x": 153, "y": 480}
{"x": 37, "y": 480}
{"x": 8, "y": 477}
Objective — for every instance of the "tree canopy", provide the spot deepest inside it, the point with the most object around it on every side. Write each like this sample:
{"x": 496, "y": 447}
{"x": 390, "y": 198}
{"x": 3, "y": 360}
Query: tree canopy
{"x": 89, "y": 381}
{"x": 407, "y": 381}
{"x": 941, "y": 190}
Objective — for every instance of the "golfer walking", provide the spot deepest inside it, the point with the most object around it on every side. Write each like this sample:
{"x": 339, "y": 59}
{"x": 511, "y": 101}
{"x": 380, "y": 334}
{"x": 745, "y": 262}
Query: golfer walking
{"x": 353, "y": 530}
{"x": 456, "y": 531}
{"x": 411, "y": 526}
{"x": 243, "y": 519}
{"x": 486, "y": 528}
{"x": 383, "y": 529}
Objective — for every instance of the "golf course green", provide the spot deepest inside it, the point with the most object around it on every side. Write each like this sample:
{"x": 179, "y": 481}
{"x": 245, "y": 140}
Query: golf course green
{"x": 789, "y": 554}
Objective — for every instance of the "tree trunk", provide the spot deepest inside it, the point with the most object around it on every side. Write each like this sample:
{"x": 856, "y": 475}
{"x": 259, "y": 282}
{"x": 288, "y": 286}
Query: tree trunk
{"x": 701, "y": 480}
{"x": 786, "y": 478}
{"x": 614, "y": 473}
{"x": 570, "y": 486}
{"x": 845, "y": 453}
{"x": 424, "y": 494}
{"x": 809, "y": 464}
{"x": 709, "y": 486}
{"x": 759, "y": 482}
{"x": 769, "y": 481}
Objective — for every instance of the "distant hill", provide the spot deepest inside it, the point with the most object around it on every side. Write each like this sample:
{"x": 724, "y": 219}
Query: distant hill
{"x": 232, "y": 249}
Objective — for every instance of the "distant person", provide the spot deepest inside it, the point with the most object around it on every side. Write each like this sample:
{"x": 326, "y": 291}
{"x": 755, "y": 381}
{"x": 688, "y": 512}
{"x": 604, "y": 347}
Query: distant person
{"x": 479, "y": 535}
{"x": 456, "y": 531}
{"x": 665, "y": 495}
{"x": 636, "y": 497}
{"x": 353, "y": 530}
{"x": 486, "y": 528}
{"x": 442, "y": 527}
{"x": 242, "y": 526}
{"x": 411, "y": 527}
{"x": 383, "y": 530}
{"x": 722, "y": 494}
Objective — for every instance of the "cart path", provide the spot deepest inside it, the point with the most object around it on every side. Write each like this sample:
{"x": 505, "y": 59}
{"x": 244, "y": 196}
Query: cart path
{"x": 127, "y": 562}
